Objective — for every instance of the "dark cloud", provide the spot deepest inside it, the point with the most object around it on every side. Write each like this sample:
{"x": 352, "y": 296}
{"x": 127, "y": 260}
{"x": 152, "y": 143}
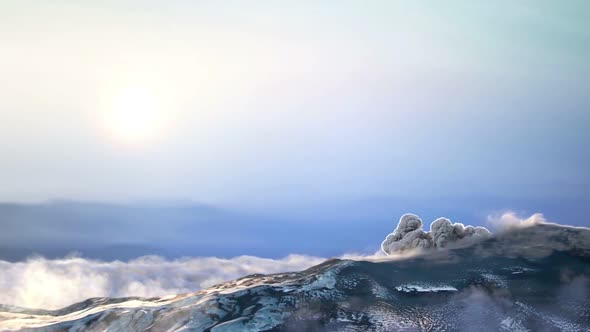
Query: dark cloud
{"x": 443, "y": 233}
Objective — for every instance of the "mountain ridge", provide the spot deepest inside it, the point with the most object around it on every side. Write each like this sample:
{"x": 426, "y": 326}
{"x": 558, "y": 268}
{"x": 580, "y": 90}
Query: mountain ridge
{"x": 523, "y": 279}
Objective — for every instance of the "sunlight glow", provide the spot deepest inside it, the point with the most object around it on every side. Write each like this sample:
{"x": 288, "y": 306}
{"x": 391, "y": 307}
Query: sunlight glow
{"x": 136, "y": 115}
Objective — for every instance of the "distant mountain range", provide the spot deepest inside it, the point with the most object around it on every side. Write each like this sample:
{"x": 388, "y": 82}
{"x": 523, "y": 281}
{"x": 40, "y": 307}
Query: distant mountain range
{"x": 526, "y": 279}
{"x": 174, "y": 229}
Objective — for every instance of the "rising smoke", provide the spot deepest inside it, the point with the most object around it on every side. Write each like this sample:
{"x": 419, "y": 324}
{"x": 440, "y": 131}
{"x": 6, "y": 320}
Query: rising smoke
{"x": 409, "y": 235}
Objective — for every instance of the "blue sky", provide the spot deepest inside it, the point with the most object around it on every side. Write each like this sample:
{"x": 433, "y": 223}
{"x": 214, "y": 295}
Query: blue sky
{"x": 303, "y": 112}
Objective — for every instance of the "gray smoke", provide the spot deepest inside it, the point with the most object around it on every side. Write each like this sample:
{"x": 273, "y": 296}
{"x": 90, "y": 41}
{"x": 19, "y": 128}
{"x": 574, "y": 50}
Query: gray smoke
{"x": 443, "y": 233}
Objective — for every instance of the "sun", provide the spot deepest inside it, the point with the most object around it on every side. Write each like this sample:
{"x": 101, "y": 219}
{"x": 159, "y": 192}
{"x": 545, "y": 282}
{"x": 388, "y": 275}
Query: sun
{"x": 135, "y": 115}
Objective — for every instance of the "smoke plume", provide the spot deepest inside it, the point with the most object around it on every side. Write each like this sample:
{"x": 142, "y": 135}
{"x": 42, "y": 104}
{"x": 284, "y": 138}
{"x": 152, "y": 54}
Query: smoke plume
{"x": 409, "y": 235}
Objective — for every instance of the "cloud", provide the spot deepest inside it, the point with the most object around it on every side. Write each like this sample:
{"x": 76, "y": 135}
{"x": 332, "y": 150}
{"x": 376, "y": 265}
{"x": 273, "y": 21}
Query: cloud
{"x": 52, "y": 284}
{"x": 55, "y": 283}
{"x": 409, "y": 235}
{"x": 510, "y": 219}
{"x": 45, "y": 283}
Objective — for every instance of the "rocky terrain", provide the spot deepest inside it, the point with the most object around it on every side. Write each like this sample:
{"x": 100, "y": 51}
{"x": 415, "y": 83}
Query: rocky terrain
{"x": 533, "y": 278}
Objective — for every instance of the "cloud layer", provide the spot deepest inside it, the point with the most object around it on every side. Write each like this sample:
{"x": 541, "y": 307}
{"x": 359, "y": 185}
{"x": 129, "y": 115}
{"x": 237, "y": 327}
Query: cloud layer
{"x": 409, "y": 235}
{"x": 53, "y": 284}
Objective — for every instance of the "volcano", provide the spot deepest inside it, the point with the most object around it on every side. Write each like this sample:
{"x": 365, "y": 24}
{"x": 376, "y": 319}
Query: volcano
{"x": 534, "y": 278}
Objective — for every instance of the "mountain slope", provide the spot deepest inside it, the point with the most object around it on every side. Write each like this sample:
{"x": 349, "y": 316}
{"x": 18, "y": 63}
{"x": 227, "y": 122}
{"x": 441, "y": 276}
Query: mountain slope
{"x": 527, "y": 279}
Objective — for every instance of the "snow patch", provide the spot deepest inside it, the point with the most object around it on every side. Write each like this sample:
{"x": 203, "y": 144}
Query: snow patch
{"x": 425, "y": 288}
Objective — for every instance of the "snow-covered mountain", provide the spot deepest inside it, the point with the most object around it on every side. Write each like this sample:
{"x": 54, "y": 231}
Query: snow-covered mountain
{"x": 527, "y": 279}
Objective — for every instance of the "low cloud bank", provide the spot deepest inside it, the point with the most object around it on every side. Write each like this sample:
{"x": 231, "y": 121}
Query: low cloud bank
{"x": 53, "y": 284}
{"x": 409, "y": 235}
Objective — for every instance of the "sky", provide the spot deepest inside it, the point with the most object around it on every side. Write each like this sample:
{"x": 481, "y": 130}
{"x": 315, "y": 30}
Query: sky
{"x": 291, "y": 117}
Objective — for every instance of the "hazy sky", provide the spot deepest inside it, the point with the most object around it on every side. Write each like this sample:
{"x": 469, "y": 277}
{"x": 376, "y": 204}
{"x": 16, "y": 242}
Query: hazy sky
{"x": 270, "y": 103}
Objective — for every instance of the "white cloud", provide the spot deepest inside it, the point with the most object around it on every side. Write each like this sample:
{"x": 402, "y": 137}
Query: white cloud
{"x": 52, "y": 284}
{"x": 510, "y": 219}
